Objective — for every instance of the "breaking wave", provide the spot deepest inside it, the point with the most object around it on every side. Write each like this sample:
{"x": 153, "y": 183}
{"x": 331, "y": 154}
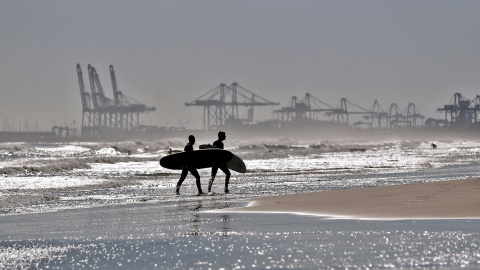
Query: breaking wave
{"x": 58, "y": 166}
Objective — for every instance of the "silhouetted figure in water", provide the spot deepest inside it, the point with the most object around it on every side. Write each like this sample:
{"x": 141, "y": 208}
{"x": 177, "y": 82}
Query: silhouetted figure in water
{"x": 219, "y": 144}
{"x": 189, "y": 167}
{"x": 434, "y": 146}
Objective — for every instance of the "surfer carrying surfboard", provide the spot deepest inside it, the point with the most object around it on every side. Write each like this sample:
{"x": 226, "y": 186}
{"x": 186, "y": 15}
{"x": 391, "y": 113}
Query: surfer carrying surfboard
{"x": 189, "y": 167}
{"x": 219, "y": 144}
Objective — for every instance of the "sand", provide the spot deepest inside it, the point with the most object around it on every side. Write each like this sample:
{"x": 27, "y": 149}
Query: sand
{"x": 438, "y": 200}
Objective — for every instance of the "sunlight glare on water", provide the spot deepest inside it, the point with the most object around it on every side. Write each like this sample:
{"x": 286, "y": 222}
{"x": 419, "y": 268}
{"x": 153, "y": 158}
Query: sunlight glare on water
{"x": 109, "y": 206}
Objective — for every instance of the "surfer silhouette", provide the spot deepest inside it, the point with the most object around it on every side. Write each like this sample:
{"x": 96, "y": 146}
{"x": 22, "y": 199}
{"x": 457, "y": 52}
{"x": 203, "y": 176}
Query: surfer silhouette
{"x": 219, "y": 144}
{"x": 189, "y": 167}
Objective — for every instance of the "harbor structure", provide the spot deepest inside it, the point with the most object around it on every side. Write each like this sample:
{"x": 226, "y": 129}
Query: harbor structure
{"x": 461, "y": 111}
{"x": 101, "y": 114}
{"x": 310, "y": 109}
{"x": 223, "y": 105}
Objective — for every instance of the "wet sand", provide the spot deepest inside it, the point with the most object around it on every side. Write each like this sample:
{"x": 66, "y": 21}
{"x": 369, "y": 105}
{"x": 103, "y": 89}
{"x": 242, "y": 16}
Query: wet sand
{"x": 434, "y": 200}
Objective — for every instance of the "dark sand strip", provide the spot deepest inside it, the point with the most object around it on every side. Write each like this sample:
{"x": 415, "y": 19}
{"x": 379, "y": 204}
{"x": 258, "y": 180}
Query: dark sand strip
{"x": 437, "y": 200}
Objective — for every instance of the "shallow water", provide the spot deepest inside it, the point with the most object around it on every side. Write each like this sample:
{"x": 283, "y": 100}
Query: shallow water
{"x": 157, "y": 236}
{"x": 91, "y": 205}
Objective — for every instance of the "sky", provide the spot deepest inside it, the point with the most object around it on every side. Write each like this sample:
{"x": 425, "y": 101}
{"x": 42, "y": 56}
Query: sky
{"x": 166, "y": 53}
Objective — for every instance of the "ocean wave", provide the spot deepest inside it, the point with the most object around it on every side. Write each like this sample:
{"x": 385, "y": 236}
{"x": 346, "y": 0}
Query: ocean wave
{"x": 269, "y": 151}
{"x": 63, "y": 165}
{"x": 46, "y": 169}
{"x": 26, "y": 150}
{"x": 117, "y": 159}
{"x": 101, "y": 170}
{"x": 158, "y": 146}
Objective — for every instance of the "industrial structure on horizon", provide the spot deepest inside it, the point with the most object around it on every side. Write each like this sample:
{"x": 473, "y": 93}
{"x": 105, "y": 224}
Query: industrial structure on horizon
{"x": 311, "y": 109}
{"x": 221, "y": 111}
{"x": 101, "y": 114}
{"x": 233, "y": 105}
{"x": 221, "y": 105}
{"x": 460, "y": 112}
{"x": 228, "y": 106}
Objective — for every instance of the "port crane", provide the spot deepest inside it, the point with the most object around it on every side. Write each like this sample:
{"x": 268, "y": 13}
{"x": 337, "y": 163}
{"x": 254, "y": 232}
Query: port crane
{"x": 475, "y": 105}
{"x": 395, "y": 116}
{"x": 102, "y": 114}
{"x": 377, "y": 118}
{"x": 128, "y": 110}
{"x": 346, "y": 108}
{"x": 413, "y": 117}
{"x": 461, "y": 111}
{"x": 221, "y": 105}
{"x": 308, "y": 109}
{"x": 398, "y": 119}
{"x": 87, "y": 109}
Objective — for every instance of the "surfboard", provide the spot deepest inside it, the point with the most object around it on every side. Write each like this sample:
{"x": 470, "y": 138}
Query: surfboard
{"x": 237, "y": 164}
{"x": 203, "y": 159}
{"x": 207, "y": 146}
{"x": 173, "y": 151}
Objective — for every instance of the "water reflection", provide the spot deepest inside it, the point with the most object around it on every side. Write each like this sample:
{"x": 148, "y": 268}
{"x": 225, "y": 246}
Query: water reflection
{"x": 194, "y": 213}
{"x": 195, "y": 221}
{"x": 226, "y": 224}
{"x": 181, "y": 235}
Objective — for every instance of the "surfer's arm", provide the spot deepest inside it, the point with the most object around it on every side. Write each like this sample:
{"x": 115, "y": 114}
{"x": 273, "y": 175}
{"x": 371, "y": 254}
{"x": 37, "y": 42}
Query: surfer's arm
{"x": 188, "y": 148}
{"x": 218, "y": 144}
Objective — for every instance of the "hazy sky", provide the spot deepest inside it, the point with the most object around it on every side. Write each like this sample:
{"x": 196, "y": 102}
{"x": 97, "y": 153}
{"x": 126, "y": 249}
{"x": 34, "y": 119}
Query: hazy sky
{"x": 166, "y": 53}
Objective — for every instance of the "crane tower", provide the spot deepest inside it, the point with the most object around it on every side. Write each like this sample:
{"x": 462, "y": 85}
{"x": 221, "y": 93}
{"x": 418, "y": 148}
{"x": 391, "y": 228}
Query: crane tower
{"x": 101, "y": 114}
{"x": 221, "y": 105}
{"x": 460, "y": 112}
{"x": 308, "y": 109}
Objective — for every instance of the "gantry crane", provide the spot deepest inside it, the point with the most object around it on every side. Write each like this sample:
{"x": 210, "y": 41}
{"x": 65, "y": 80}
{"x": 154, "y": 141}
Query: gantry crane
{"x": 87, "y": 109}
{"x": 103, "y": 109}
{"x": 100, "y": 113}
{"x": 308, "y": 109}
{"x": 395, "y": 116}
{"x": 459, "y": 112}
{"x": 128, "y": 110}
{"x": 341, "y": 114}
{"x": 413, "y": 116}
{"x": 221, "y": 105}
{"x": 377, "y": 118}
{"x": 475, "y": 106}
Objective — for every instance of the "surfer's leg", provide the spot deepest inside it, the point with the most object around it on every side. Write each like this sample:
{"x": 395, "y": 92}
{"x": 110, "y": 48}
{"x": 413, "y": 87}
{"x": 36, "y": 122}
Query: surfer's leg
{"x": 225, "y": 170}
{"x": 182, "y": 178}
{"x": 210, "y": 183}
{"x": 194, "y": 172}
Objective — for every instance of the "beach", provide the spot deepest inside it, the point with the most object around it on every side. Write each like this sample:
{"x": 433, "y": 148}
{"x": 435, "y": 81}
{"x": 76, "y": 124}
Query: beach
{"x": 328, "y": 205}
{"x": 187, "y": 234}
{"x": 455, "y": 199}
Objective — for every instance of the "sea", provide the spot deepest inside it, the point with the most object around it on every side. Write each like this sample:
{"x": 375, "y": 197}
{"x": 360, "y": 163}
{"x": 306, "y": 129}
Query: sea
{"x": 109, "y": 205}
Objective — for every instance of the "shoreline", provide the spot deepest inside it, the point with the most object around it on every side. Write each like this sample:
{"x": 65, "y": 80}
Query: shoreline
{"x": 452, "y": 199}
{"x": 322, "y": 131}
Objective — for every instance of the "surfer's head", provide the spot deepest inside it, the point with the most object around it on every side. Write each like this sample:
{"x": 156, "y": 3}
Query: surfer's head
{"x": 221, "y": 135}
{"x": 191, "y": 139}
